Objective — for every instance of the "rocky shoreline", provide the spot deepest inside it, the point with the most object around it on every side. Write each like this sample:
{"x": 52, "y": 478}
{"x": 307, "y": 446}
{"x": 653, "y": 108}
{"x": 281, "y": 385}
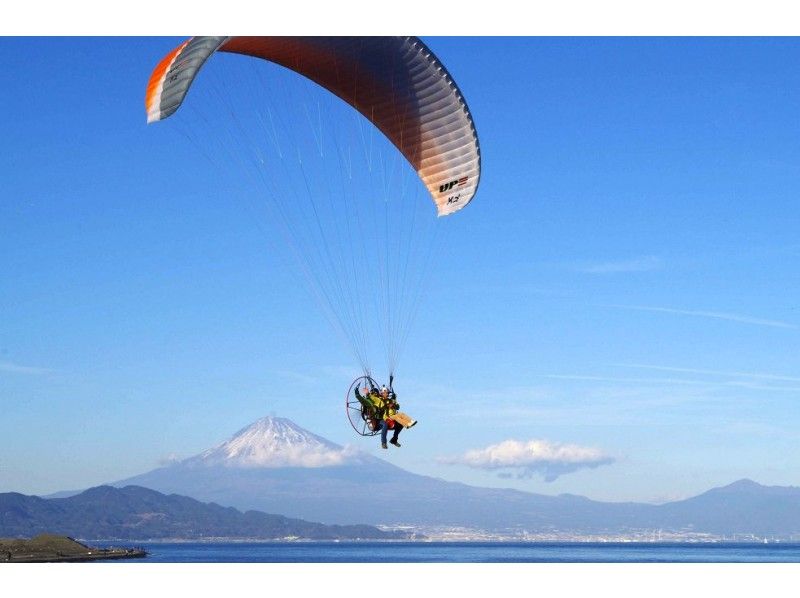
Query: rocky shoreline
{"x": 48, "y": 548}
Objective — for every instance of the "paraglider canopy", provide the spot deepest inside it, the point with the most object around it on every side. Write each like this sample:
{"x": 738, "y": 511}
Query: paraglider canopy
{"x": 395, "y": 82}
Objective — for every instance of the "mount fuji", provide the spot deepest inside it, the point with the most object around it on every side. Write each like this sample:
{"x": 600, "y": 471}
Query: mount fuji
{"x": 275, "y": 466}
{"x": 274, "y": 442}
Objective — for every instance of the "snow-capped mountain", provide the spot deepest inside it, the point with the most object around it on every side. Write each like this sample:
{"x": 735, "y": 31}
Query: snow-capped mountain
{"x": 275, "y": 466}
{"x": 274, "y": 442}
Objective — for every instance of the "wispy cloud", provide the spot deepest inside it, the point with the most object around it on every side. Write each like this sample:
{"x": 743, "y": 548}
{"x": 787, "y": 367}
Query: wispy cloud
{"x": 170, "y": 459}
{"x": 736, "y": 380}
{"x": 705, "y": 372}
{"x": 296, "y": 456}
{"x": 645, "y": 263}
{"x": 321, "y": 374}
{"x": 751, "y": 428}
{"x": 619, "y": 380}
{"x": 533, "y": 457}
{"x": 710, "y": 314}
{"x": 298, "y": 377}
{"x": 14, "y": 368}
{"x": 594, "y": 404}
{"x": 756, "y": 386}
{"x": 340, "y": 371}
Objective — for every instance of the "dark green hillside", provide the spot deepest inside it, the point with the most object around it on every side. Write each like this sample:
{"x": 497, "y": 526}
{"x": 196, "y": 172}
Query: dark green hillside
{"x": 136, "y": 513}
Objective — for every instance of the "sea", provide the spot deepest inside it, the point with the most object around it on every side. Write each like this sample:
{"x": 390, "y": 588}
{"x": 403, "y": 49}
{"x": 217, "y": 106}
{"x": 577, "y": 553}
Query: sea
{"x": 465, "y": 552}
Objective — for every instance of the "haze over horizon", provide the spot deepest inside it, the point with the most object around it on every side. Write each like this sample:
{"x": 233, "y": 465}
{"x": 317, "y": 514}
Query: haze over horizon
{"x": 620, "y": 297}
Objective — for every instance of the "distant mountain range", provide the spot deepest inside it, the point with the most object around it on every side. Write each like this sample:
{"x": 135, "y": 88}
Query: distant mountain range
{"x": 135, "y": 513}
{"x": 276, "y": 466}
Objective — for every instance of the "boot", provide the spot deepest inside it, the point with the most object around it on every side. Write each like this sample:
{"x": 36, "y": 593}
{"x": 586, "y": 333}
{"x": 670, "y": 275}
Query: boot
{"x": 383, "y": 445}
{"x": 394, "y": 442}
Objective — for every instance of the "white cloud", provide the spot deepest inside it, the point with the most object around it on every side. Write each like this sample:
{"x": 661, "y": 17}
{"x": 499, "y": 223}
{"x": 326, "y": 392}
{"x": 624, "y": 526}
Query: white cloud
{"x": 640, "y": 264}
{"x": 528, "y": 458}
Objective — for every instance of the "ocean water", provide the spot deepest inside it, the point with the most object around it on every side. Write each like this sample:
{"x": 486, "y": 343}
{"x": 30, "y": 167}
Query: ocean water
{"x": 464, "y": 552}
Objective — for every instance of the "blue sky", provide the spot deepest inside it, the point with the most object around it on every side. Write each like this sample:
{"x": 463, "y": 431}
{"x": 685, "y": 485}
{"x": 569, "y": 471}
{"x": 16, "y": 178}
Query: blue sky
{"x": 625, "y": 280}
